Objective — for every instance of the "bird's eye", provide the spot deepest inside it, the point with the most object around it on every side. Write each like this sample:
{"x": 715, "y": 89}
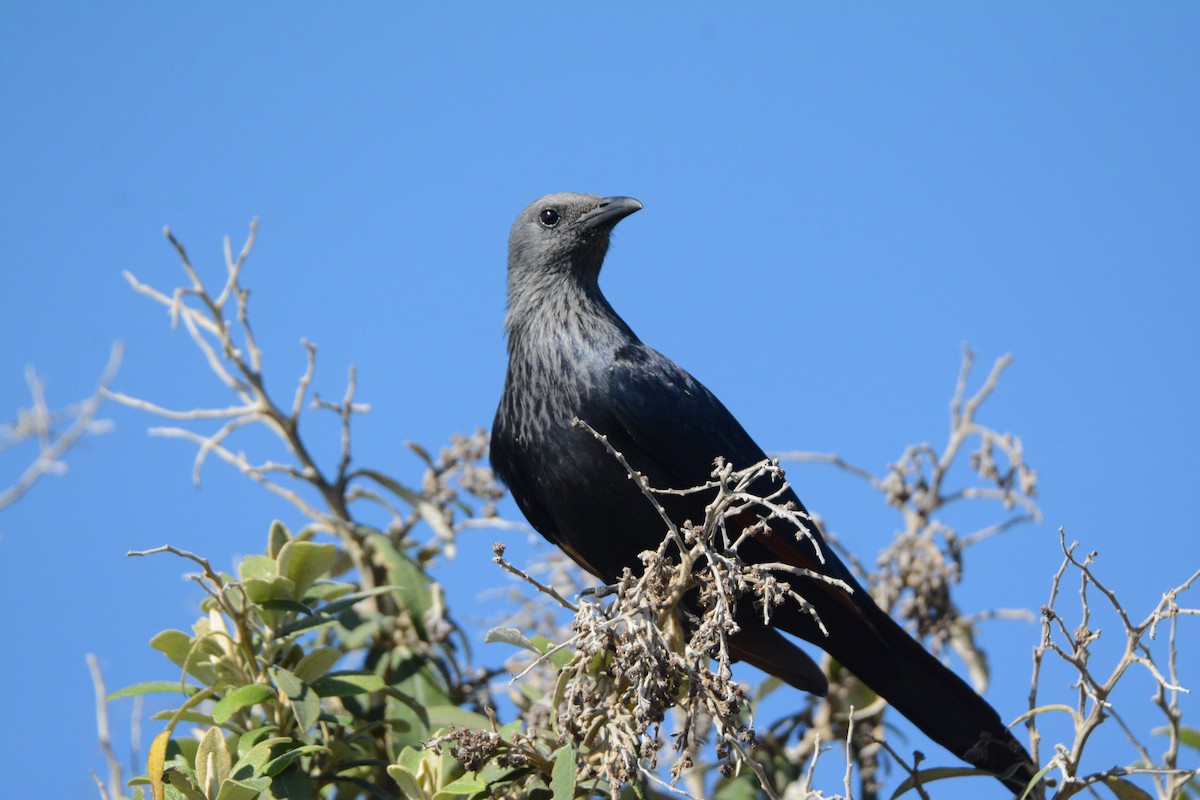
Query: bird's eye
{"x": 548, "y": 217}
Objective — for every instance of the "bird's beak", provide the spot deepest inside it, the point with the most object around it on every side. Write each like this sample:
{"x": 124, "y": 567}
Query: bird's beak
{"x": 610, "y": 211}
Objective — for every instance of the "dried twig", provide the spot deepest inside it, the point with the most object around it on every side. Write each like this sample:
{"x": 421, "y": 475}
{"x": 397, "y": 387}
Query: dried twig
{"x": 115, "y": 780}
{"x": 41, "y": 424}
{"x": 1073, "y": 646}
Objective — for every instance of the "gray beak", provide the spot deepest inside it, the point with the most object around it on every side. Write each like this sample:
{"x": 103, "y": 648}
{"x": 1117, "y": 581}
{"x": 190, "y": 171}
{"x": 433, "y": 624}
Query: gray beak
{"x": 610, "y": 211}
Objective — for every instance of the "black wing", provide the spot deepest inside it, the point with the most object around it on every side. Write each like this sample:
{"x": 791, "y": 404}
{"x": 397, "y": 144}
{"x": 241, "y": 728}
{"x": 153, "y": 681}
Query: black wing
{"x": 678, "y": 426}
{"x": 672, "y": 418}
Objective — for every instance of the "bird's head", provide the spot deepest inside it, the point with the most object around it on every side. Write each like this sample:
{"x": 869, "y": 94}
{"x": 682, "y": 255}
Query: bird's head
{"x": 565, "y": 233}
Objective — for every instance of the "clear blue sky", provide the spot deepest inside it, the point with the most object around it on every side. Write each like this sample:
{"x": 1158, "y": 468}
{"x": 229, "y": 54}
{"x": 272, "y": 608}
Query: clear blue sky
{"x": 836, "y": 197}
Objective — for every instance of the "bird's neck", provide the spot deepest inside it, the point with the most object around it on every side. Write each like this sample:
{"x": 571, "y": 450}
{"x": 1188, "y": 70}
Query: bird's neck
{"x": 562, "y": 312}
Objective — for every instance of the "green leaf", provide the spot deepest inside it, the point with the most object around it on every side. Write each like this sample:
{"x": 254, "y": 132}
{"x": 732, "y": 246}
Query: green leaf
{"x": 213, "y": 762}
{"x": 1033, "y": 712}
{"x": 244, "y": 789}
{"x": 292, "y": 784}
{"x": 560, "y": 691}
{"x": 422, "y": 454}
{"x": 446, "y": 715}
{"x": 305, "y": 704}
{"x": 417, "y": 679}
{"x": 183, "y": 784}
{"x": 429, "y": 512}
{"x": 257, "y": 567}
{"x": 511, "y": 636}
{"x": 558, "y": 656}
{"x": 1035, "y": 781}
{"x": 182, "y": 752}
{"x": 411, "y": 582}
{"x": 491, "y": 772}
{"x": 342, "y": 603}
{"x": 562, "y": 776}
{"x": 303, "y": 563}
{"x": 307, "y": 623}
{"x": 937, "y": 774}
{"x": 410, "y": 758}
{"x": 174, "y": 644}
{"x": 277, "y": 538}
{"x": 281, "y": 762}
{"x": 316, "y": 663}
{"x": 328, "y": 591}
{"x": 306, "y": 709}
{"x": 288, "y": 683}
{"x": 196, "y": 717}
{"x": 1187, "y": 736}
{"x": 405, "y": 710}
{"x": 260, "y": 590}
{"x": 252, "y": 738}
{"x": 345, "y": 684}
{"x": 743, "y": 787}
{"x": 254, "y": 759}
{"x": 239, "y": 698}
{"x": 466, "y": 785}
{"x": 409, "y": 788}
{"x": 291, "y": 606}
{"x": 154, "y": 687}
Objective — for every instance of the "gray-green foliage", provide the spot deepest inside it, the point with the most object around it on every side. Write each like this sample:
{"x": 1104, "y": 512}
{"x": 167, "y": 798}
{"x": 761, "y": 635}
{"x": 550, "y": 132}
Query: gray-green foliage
{"x": 304, "y": 681}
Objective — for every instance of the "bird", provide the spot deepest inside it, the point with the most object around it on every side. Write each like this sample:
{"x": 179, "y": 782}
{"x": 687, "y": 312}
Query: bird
{"x": 572, "y": 357}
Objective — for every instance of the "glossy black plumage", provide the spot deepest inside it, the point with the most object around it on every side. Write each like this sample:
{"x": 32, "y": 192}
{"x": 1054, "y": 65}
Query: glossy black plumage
{"x": 571, "y": 355}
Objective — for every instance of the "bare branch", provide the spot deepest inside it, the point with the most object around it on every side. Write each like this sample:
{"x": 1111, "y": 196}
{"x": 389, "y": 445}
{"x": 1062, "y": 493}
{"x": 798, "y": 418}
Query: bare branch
{"x": 115, "y": 780}
{"x": 256, "y": 473}
{"x": 832, "y": 459}
{"x": 190, "y": 414}
{"x": 545, "y": 589}
{"x": 39, "y": 423}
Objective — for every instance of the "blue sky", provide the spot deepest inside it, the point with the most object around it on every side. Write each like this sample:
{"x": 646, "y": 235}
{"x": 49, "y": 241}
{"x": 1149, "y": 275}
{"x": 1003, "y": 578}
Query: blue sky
{"x": 837, "y": 196}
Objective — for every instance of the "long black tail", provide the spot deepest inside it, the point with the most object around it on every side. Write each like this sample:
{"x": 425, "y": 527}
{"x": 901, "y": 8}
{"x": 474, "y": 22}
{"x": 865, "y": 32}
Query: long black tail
{"x": 869, "y": 643}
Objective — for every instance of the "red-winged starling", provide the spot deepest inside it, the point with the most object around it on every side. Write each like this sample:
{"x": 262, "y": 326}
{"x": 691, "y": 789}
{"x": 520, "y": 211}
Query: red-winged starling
{"x": 571, "y": 356}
